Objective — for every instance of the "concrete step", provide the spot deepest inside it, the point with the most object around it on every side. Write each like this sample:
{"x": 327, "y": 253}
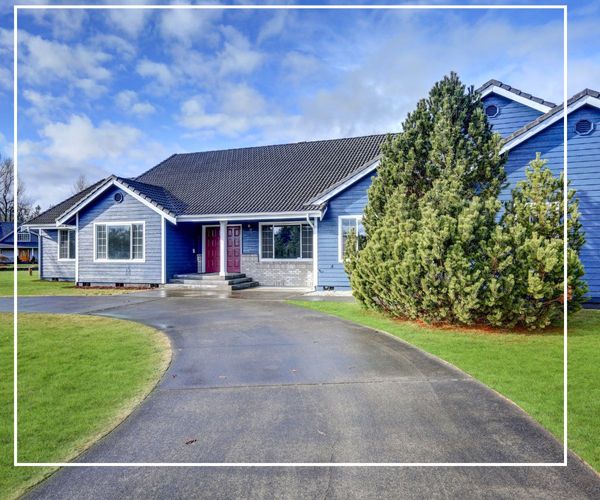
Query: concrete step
{"x": 209, "y": 277}
{"x": 211, "y": 283}
{"x": 242, "y": 286}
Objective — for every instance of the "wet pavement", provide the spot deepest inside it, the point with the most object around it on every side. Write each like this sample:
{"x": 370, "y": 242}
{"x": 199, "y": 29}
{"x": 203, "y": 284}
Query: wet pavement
{"x": 262, "y": 381}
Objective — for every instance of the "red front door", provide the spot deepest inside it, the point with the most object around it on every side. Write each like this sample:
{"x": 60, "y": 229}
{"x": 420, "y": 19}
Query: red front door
{"x": 213, "y": 256}
{"x": 233, "y": 248}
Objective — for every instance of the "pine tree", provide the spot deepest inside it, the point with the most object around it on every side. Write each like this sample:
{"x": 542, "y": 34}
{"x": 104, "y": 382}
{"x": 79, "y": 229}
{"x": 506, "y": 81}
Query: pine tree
{"x": 430, "y": 207}
{"x": 533, "y": 224}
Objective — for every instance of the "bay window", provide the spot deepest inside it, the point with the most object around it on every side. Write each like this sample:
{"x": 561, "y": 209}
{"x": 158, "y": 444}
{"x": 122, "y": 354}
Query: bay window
{"x": 347, "y": 223}
{"x": 286, "y": 241}
{"x": 123, "y": 241}
{"x": 66, "y": 244}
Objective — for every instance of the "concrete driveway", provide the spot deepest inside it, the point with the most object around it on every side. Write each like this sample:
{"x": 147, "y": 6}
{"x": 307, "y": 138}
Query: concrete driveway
{"x": 262, "y": 381}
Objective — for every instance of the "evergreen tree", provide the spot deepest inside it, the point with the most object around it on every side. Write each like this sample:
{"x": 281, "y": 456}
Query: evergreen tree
{"x": 430, "y": 207}
{"x": 533, "y": 225}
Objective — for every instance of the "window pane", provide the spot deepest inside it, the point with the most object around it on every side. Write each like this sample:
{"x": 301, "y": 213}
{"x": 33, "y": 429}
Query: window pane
{"x": 72, "y": 242}
{"x": 348, "y": 224}
{"x": 138, "y": 241}
{"x": 63, "y": 244}
{"x": 287, "y": 242}
{"x": 119, "y": 242}
{"x": 362, "y": 234}
{"x": 307, "y": 241}
{"x": 101, "y": 242}
{"x": 267, "y": 242}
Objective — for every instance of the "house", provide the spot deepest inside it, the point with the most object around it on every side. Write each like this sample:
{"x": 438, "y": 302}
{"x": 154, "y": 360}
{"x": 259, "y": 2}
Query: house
{"x": 27, "y": 244}
{"x": 279, "y": 214}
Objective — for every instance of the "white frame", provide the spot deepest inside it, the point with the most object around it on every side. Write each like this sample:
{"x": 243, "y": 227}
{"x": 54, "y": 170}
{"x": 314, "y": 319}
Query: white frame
{"x": 20, "y": 234}
{"x": 121, "y": 261}
{"x": 493, "y": 89}
{"x": 583, "y": 134}
{"x": 534, "y": 7}
{"x": 58, "y": 238}
{"x": 356, "y": 218}
{"x": 282, "y": 223}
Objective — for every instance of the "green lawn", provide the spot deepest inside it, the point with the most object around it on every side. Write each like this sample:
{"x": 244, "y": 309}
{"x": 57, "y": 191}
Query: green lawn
{"x": 32, "y": 285}
{"x": 79, "y": 376}
{"x": 525, "y": 367}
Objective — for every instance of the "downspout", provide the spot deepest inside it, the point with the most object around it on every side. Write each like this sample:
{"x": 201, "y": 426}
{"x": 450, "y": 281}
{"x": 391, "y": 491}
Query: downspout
{"x": 315, "y": 250}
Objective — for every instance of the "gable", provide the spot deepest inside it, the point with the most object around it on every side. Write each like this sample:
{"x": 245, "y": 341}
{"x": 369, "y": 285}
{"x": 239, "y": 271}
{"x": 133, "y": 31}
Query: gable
{"x": 512, "y": 115}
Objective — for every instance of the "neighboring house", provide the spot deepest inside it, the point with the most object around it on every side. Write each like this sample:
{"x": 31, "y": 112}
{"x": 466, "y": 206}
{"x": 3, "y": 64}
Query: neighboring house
{"x": 27, "y": 244}
{"x": 280, "y": 214}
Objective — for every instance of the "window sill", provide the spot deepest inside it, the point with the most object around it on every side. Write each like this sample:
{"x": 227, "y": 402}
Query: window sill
{"x": 119, "y": 261}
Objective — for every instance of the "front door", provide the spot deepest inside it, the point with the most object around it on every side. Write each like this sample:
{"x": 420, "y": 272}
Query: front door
{"x": 213, "y": 255}
{"x": 234, "y": 248}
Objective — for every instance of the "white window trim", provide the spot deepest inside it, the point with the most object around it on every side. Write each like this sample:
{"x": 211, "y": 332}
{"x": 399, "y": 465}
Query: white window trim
{"x": 281, "y": 223}
{"x": 357, "y": 219}
{"x": 23, "y": 237}
{"x": 69, "y": 232}
{"x": 121, "y": 261}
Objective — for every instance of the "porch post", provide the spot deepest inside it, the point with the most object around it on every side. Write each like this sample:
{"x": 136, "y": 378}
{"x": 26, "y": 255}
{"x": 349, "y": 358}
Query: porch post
{"x": 223, "y": 248}
{"x": 315, "y": 253}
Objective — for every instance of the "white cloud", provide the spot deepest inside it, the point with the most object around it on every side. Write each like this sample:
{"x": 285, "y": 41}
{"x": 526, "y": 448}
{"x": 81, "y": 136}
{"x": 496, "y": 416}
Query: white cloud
{"x": 273, "y": 26}
{"x": 237, "y": 55}
{"x": 131, "y": 22}
{"x": 159, "y": 72}
{"x": 44, "y": 61}
{"x": 79, "y": 140}
{"x": 299, "y": 66}
{"x": 64, "y": 24}
{"x": 129, "y": 102}
{"x": 185, "y": 26}
{"x": 115, "y": 44}
{"x": 43, "y": 106}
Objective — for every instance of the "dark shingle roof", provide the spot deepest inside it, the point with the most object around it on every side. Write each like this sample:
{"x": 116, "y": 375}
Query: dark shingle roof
{"x": 497, "y": 83}
{"x": 50, "y": 215}
{"x": 549, "y": 114}
{"x": 156, "y": 195}
{"x": 277, "y": 178}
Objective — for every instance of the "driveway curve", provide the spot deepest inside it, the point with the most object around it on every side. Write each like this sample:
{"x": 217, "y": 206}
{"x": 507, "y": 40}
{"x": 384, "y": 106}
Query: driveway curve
{"x": 263, "y": 381}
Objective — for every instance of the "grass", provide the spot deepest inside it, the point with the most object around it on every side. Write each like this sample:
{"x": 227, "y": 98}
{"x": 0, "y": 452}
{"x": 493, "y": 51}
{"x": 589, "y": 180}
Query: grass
{"x": 32, "y": 285}
{"x": 79, "y": 376}
{"x": 525, "y": 367}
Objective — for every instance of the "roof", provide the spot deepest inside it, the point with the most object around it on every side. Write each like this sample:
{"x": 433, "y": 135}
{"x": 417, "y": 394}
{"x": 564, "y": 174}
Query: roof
{"x": 279, "y": 178}
{"x": 498, "y": 84}
{"x": 547, "y": 118}
{"x": 50, "y": 215}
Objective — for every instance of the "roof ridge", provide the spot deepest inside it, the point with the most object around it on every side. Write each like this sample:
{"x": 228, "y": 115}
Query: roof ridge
{"x": 514, "y": 90}
{"x": 557, "y": 109}
{"x": 277, "y": 145}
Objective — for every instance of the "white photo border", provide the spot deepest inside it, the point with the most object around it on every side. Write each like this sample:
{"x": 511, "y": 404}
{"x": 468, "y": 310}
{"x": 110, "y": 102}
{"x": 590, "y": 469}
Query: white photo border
{"x": 563, "y": 8}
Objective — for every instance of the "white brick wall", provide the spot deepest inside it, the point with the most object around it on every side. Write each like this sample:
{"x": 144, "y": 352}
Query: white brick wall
{"x": 273, "y": 273}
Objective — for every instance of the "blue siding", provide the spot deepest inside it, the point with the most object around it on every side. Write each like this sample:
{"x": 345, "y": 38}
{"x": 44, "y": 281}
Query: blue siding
{"x": 181, "y": 243}
{"x": 584, "y": 174}
{"x": 250, "y": 238}
{"x": 105, "y": 209}
{"x": 512, "y": 115}
{"x": 52, "y": 267}
{"x": 351, "y": 201}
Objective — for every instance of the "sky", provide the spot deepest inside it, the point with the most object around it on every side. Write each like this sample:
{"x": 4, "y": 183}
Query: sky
{"x": 113, "y": 91}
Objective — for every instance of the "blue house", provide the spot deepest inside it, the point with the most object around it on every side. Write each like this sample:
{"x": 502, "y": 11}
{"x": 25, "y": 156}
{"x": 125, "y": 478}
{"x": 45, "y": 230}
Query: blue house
{"x": 27, "y": 244}
{"x": 279, "y": 215}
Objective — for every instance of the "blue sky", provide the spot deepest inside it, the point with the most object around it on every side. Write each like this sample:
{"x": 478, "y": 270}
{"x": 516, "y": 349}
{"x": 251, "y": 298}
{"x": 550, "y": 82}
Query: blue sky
{"x": 104, "y": 92}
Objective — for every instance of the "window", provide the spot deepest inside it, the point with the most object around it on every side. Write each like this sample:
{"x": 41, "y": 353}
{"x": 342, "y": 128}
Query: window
{"x": 120, "y": 241}
{"x": 346, "y": 224}
{"x": 66, "y": 244}
{"x": 491, "y": 111}
{"x": 584, "y": 127}
{"x": 23, "y": 236}
{"x": 287, "y": 241}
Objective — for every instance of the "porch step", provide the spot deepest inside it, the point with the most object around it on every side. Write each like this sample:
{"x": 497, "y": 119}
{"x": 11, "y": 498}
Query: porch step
{"x": 214, "y": 282}
{"x": 209, "y": 277}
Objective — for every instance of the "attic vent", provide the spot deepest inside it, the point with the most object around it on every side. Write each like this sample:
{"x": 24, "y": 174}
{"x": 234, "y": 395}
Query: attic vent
{"x": 584, "y": 127}
{"x": 491, "y": 111}
{"x": 118, "y": 197}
